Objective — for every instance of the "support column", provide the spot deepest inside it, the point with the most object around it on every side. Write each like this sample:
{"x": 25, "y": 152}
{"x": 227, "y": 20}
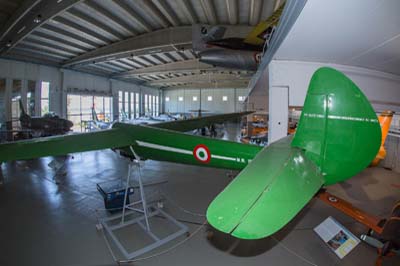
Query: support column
{"x": 38, "y": 96}
{"x": 24, "y": 89}
{"x": 7, "y": 99}
{"x": 278, "y": 113}
{"x": 141, "y": 103}
{"x": 63, "y": 96}
{"x": 161, "y": 101}
{"x": 115, "y": 96}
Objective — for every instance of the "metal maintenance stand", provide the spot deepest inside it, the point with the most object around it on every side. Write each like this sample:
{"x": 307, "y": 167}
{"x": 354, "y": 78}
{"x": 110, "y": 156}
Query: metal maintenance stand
{"x": 143, "y": 220}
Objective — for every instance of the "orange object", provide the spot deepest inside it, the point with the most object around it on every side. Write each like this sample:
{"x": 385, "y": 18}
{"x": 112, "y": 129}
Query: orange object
{"x": 368, "y": 220}
{"x": 384, "y": 119}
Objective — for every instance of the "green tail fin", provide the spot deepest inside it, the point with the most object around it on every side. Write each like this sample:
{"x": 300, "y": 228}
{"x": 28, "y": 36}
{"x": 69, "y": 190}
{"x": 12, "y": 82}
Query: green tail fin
{"x": 338, "y": 128}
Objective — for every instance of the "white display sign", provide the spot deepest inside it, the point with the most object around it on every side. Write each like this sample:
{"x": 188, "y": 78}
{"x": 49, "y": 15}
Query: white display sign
{"x": 338, "y": 239}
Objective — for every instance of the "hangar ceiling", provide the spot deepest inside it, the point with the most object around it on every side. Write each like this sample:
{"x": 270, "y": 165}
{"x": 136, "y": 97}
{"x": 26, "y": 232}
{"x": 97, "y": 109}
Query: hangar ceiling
{"x": 366, "y": 35}
{"x": 144, "y": 41}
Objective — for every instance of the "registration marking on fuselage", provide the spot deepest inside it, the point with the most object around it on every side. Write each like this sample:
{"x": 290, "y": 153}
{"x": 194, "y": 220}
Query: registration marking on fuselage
{"x": 183, "y": 151}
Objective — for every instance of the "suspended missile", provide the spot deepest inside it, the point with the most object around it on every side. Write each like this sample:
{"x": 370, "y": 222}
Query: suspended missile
{"x": 236, "y": 59}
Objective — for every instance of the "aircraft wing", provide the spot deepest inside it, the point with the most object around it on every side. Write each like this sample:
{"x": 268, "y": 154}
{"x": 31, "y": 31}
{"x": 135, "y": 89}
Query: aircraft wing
{"x": 63, "y": 144}
{"x": 199, "y": 122}
{"x": 267, "y": 193}
{"x": 121, "y": 135}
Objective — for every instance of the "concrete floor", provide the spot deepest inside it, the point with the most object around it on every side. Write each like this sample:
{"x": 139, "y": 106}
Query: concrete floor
{"x": 44, "y": 223}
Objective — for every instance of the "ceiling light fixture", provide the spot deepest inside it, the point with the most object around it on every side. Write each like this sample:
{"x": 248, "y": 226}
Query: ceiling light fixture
{"x": 38, "y": 19}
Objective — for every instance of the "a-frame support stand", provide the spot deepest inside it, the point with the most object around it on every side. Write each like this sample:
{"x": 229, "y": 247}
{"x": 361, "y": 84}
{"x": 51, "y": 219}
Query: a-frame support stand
{"x": 111, "y": 224}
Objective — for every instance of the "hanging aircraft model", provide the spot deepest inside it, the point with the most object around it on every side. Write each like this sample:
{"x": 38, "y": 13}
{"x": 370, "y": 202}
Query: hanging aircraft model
{"x": 238, "y": 53}
{"x": 43, "y": 126}
{"x": 338, "y": 135}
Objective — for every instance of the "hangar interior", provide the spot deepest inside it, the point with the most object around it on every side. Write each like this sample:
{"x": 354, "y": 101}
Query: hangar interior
{"x": 101, "y": 63}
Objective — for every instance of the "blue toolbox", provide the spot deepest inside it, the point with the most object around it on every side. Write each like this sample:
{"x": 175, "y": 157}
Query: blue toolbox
{"x": 113, "y": 193}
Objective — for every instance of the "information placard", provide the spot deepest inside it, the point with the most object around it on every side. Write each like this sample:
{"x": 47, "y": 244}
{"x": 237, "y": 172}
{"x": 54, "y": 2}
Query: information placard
{"x": 338, "y": 238}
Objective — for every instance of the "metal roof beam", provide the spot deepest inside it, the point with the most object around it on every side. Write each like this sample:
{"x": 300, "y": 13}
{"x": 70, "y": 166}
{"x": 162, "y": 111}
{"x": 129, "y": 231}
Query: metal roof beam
{"x": 28, "y": 18}
{"x": 34, "y": 50}
{"x": 85, "y": 32}
{"x": 155, "y": 13}
{"x": 255, "y": 11}
{"x": 217, "y": 85}
{"x": 188, "y": 66}
{"x": 201, "y": 78}
{"x": 187, "y": 9}
{"x": 67, "y": 35}
{"x": 19, "y": 14}
{"x": 133, "y": 15}
{"x": 48, "y": 47}
{"x": 232, "y": 10}
{"x": 50, "y": 39}
{"x": 110, "y": 17}
{"x": 156, "y": 42}
{"x": 167, "y": 11}
{"x": 93, "y": 23}
{"x": 164, "y": 40}
{"x": 209, "y": 11}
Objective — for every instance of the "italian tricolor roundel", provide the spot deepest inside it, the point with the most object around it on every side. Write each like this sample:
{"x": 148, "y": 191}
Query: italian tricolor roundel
{"x": 202, "y": 153}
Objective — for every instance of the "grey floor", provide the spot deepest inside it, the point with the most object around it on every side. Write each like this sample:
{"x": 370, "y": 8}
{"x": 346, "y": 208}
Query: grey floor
{"x": 45, "y": 223}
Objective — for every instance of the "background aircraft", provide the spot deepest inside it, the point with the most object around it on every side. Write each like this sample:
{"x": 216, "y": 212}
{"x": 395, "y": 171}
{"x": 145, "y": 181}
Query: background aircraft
{"x": 47, "y": 125}
{"x": 237, "y": 53}
{"x": 97, "y": 124}
{"x": 338, "y": 135}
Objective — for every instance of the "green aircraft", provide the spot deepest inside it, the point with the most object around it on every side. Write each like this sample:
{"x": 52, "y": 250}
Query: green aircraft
{"x": 338, "y": 135}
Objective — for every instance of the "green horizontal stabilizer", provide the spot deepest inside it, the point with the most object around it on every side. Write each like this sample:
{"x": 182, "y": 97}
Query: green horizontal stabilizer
{"x": 267, "y": 194}
{"x": 65, "y": 144}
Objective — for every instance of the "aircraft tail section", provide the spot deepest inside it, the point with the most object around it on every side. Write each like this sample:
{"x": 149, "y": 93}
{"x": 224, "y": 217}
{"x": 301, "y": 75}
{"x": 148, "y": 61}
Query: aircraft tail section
{"x": 338, "y": 136}
{"x": 338, "y": 128}
{"x": 385, "y": 119}
{"x": 21, "y": 107}
{"x": 264, "y": 30}
{"x": 23, "y": 117}
{"x": 94, "y": 115}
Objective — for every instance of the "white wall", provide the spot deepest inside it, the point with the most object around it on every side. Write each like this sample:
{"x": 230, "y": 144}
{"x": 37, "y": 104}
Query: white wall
{"x": 215, "y": 106}
{"x": 377, "y": 86}
{"x": 64, "y": 80}
{"x": 258, "y": 97}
